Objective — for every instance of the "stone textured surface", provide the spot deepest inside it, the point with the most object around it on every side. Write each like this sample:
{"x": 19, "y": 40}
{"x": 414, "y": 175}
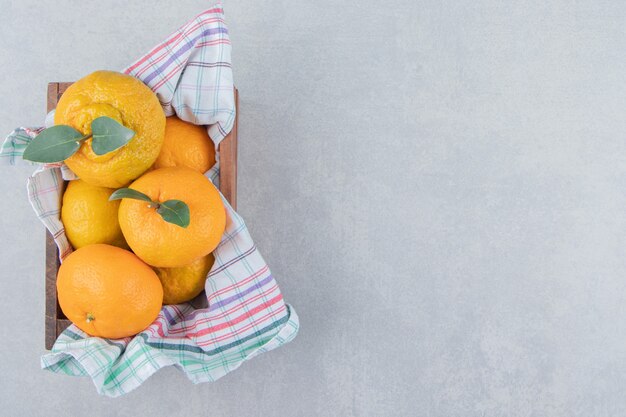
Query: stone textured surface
{"x": 437, "y": 185}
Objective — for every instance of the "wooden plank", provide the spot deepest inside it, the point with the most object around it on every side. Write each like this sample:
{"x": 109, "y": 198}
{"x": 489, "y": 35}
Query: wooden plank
{"x": 62, "y": 324}
{"x": 53, "y": 90}
{"x": 56, "y": 321}
{"x": 62, "y": 88}
{"x": 52, "y": 267}
{"x": 52, "y": 258}
{"x": 228, "y": 161}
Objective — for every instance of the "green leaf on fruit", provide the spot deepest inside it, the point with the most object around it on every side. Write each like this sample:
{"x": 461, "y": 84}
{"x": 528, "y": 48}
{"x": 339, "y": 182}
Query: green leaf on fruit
{"x": 109, "y": 135}
{"x": 129, "y": 193}
{"x": 55, "y": 144}
{"x": 174, "y": 211}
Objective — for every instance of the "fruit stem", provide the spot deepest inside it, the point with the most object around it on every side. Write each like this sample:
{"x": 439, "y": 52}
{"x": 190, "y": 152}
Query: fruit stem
{"x": 154, "y": 205}
{"x": 90, "y": 318}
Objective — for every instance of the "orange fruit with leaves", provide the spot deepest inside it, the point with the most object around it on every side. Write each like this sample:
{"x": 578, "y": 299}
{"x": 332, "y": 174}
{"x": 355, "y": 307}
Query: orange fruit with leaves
{"x": 126, "y": 100}
{"x": 171, "y": 216}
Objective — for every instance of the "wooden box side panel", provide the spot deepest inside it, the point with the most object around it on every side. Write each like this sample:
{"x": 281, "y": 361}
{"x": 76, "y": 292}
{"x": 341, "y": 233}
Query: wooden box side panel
{"x": 53, "y": 311}
{"x": 228, "y": 161}
{"x": 56, "y": 321}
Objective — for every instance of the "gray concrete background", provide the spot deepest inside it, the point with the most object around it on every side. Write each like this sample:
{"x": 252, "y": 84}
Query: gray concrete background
{"x": 439, "y": 187}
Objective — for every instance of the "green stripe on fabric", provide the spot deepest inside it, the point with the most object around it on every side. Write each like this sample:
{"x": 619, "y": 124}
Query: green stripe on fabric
{"x": 196, "y": 349}
{"x": 127, "y": 362}
{"x": 67, "y": 332}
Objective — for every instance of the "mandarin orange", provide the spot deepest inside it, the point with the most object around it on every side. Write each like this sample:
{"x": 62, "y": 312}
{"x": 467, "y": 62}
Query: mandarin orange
{"x": 163, "y": 244}
{"x": 89, "y": 217}
{"x": 108, "y": 292}
{"x": 186, "y": 144}
{"x": 185, "y": 282}
{"x": 128, "y": 101}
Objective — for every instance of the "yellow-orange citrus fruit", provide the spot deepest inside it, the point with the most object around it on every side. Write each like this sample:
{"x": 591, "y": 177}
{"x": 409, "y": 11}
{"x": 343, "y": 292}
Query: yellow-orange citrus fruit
{"x": 108, "y": 292}
{"x": 185, "y": 282}
{"x": 89, "y": 217}
{"x": 186, "y": 145}
{"x": 163, "y": 244}
{"x": 129, "y": 102}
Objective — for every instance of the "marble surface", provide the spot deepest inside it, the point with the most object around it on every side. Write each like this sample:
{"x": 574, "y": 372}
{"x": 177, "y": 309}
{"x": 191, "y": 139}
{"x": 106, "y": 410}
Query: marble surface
{"x": 435, "y": 184}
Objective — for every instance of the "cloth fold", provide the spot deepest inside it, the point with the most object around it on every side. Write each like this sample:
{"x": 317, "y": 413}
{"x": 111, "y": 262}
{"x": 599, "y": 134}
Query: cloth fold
{"x": 243, "y": 312}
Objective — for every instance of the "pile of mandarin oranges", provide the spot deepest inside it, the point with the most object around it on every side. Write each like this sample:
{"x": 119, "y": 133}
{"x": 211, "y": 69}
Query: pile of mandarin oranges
{"x": 143, "y": 219}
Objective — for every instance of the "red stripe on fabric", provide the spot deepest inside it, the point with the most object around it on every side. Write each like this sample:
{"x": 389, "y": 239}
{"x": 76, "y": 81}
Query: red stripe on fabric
{"x": 246, "y": 315}
{"x": 184, "y": 34}
{"x": 205, "y": 318}
{"x": 211, "y": 341}
{"x": 215, "y": 10}
{"x": 215, "y": 42}
{"x": 182, "y": 326}
{"x": 265, "y": 293}
{"x": 154, "y": 51}
{"x": 167, "y": 53}
{"x": 237, "y": 284}
{"x": 167, "y": 77}
{"x": 157, "y": 326}
{"x": 178, "y": 312}
{"x": 240, "y": 332}
{"x": 161, "y": 319}
{"x": 177, "y": 34}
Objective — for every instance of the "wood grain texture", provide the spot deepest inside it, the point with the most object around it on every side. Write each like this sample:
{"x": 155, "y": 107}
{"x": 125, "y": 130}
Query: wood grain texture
{"x": 52, "y": 258}
{"x": 228, "y": 161}
{"x": 56, "y": 321}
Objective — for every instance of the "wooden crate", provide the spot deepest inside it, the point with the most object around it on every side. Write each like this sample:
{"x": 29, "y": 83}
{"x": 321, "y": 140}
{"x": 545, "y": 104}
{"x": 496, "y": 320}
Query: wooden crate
{"x": 56, "y": 321}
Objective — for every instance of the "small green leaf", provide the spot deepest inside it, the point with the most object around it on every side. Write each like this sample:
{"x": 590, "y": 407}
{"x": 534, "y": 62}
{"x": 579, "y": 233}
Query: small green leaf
{"x": 55, "y": 144}
{"x": 109, "y": 135}
{"x": 174, "y": 211}
{"x": 129, "y": 193}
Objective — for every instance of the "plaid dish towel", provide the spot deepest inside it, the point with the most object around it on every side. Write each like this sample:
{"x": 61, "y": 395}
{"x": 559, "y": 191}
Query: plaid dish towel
{"x": 243, "y": 313}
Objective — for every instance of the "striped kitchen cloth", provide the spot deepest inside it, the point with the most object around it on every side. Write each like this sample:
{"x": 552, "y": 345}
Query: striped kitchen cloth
{"x": 242, "y": 313}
